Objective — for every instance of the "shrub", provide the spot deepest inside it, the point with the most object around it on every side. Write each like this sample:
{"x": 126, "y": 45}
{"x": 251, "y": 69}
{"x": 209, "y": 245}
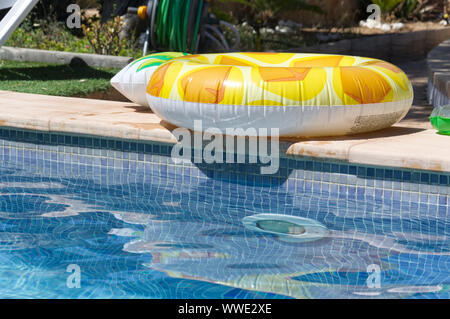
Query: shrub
{"x": 266, "y": 13}
{"x": 86, "y": 4}
{"x": 50, "y": 9}
{"x": 47, "y": 35}
{"x": 50, "y": 34}
{"x": 261, "y": 14}
{"x": 401, "y": 9}
{"x": 104, "y": 38}
{"x": 387, "y": 6}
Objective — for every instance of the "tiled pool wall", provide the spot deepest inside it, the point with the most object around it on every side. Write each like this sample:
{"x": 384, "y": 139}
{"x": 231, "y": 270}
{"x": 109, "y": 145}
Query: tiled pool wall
{"x": 53, "y": 154}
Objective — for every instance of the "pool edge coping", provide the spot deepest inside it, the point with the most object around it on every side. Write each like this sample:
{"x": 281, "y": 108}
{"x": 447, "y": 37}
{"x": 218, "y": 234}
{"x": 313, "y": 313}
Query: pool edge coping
{"x": 400, "y": 146}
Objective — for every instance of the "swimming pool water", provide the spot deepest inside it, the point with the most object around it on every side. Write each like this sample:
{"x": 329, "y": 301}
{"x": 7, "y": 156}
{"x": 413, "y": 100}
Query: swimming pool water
{"x": 148, "y": 231}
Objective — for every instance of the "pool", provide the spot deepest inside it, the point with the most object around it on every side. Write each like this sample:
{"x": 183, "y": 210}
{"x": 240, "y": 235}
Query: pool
{"x": 87, "y": 217}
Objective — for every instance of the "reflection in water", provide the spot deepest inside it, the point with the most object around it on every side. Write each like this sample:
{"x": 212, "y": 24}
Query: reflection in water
{"x": 333, "y": 267}
{"x": 163, "y": 239}
{"x": 282, "y": 227}
{"x": 287, "y": 228}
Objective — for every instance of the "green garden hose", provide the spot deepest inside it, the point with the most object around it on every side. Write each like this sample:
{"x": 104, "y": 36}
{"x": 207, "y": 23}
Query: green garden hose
{"x": 183, "y": 25}
{"x": 197, "y": 25}
{"x": 172, "y": 24}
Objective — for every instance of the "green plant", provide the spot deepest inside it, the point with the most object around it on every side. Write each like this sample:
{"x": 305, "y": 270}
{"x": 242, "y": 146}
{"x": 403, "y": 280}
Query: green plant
{"x": 402, "y": 9}
{"x": 410, "y": 8}
{"x": 50, "y": 9}
{"x": 266, "y": 13}
{"x": 221, "y": 14}
{"x": 104, "y": 38}
{"x": 88, "y": 3}
{"x": 53, "y": 35}
{"x": 269, "y": 41}
{"x": 47, "y": 34}
{"x": 387, "y": 6}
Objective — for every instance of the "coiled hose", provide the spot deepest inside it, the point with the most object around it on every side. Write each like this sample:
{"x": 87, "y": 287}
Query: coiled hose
{"x": 184, "y": 25}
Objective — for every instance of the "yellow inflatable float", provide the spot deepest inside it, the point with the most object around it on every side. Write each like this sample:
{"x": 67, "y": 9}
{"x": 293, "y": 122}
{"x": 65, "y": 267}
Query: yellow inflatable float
{"x": 300, "y": 94}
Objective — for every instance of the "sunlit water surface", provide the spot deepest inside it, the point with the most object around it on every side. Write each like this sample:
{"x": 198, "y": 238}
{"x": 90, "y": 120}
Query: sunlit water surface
{"x": 160, "y": 238}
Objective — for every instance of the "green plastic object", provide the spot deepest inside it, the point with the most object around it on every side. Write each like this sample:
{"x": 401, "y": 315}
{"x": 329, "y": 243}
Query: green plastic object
{"x": 172, "y": 23}
{"x": 197, "y": 26}
{"x": 440, "y": 119}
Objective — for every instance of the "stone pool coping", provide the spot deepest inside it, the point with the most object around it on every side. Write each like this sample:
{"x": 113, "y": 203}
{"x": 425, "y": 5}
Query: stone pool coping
{"x": 406, "y": 145}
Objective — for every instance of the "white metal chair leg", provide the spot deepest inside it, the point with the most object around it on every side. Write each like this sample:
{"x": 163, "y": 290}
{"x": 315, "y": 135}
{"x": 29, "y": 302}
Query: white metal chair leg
{"x": 19, "y": 10}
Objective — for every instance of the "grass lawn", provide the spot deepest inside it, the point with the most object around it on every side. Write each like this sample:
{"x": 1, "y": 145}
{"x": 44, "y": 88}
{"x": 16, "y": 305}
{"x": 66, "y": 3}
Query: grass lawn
{"x": 53, "y": 79}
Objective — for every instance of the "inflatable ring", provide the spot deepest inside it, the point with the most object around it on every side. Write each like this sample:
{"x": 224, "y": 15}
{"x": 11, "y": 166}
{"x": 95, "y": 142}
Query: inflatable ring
{"x": 299, "y": 94}
{"x": 133, "y": 79}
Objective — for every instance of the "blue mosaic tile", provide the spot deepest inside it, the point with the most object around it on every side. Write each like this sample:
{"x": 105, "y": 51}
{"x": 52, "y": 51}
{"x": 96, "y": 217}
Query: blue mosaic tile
{"x": 315, "y": 176}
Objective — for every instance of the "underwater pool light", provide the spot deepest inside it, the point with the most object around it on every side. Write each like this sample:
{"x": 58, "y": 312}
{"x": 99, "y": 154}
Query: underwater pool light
{"x": 287, "y": 228}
